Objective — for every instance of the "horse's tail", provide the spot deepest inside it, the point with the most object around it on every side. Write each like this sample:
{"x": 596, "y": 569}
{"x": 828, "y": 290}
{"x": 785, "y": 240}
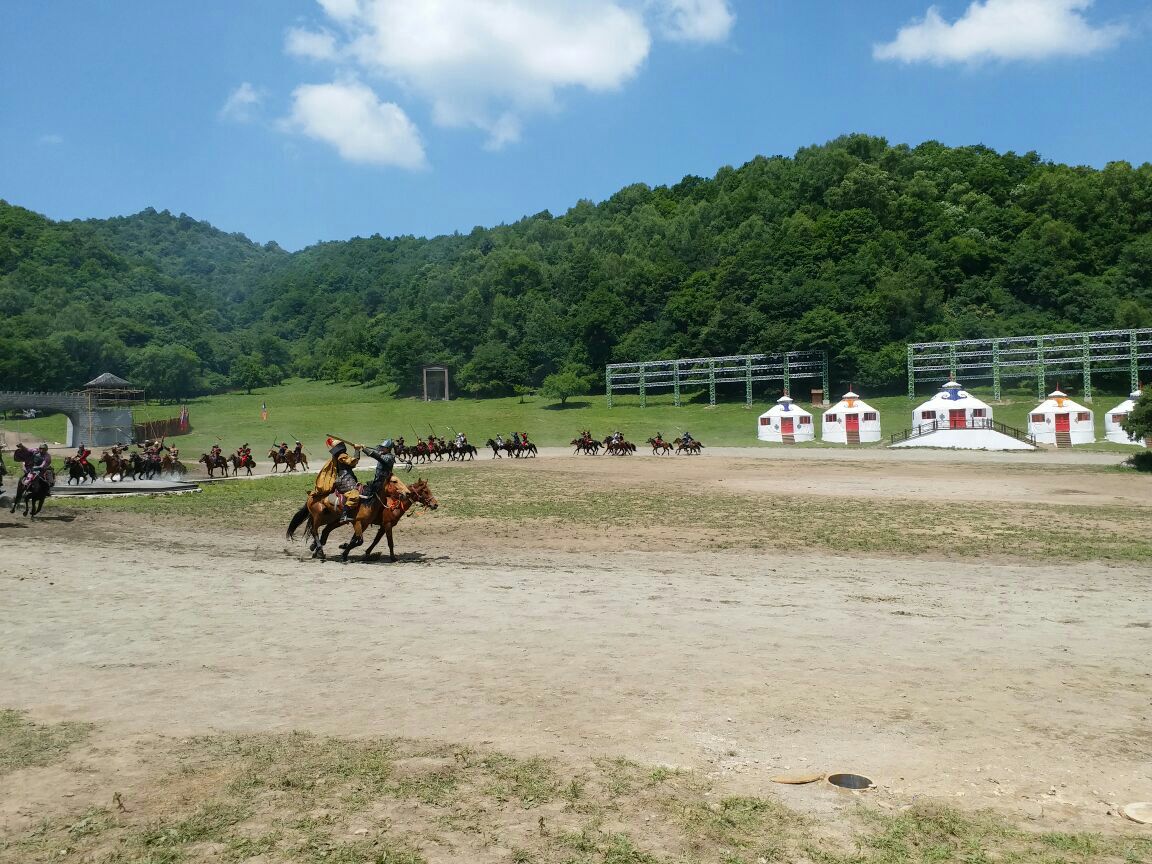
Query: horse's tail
{"x": 298, "y": 519}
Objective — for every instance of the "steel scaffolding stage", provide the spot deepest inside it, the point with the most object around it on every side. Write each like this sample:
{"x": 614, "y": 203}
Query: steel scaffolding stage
{"x": 1033, "y": 357}
{"x": 690, "y": 372}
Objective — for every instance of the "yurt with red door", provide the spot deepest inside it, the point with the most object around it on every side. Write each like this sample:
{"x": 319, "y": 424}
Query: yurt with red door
{"x": 1114, "y": 420}
{"x": 785, "y": 423}
{"x": 850, "y": 421}
{"x": 1060, "y": 421}
{"x": 956, "y": 420}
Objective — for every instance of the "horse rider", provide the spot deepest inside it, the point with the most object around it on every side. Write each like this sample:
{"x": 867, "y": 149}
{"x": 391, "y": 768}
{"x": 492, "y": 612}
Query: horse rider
{"x": 299, "y": 451}
{"x": 338, "y": 475}
{"x": 282, "y": 455}
{"x": 515, "y": 440}
{"x": 659, "y": 439}
{"x": 174, "y": 452}
{"x": 216, "y": 453}
{"x": 461, "y": 439}
{"x": 40, "y": 465}
{"x": 687, "y": 438}
{"x": 385, "y": 465}
{"x": 244, "y": 452}
{"x": 82, "y": 454}
{"x": 617, "y": 437}
{"x": 499, "y": 440}
{"x": 524, "y": 439}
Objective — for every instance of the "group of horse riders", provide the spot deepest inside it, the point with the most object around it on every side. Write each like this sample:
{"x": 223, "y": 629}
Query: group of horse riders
{"x": 519, "y": 440}
{"x": 685, "y": 438}
{"x": 39, "y": 462}
{"x": 338, "y": 476}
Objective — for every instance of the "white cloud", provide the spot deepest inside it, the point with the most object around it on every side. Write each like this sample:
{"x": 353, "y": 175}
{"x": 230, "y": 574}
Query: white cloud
{"x": 1001, "y": 30}
{"x": 352, "y": 119}
{"x": 483, "y": 63}
{"x": 695, "y": 20}
{"x": 317, "y": 45}
{"x": 52, "y": 139}
{"x": 241, "y": 103}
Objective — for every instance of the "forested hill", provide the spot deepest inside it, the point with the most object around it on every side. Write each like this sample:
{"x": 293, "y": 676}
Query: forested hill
{"x": 855, "y": 246}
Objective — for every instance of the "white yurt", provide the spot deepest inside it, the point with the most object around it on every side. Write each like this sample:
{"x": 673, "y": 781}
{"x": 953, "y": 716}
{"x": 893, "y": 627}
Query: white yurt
{"x": 1113, "y": 431}
{"x": 1060, "y": 421}
{"x": 850, "y": 421}
{"x": 786, "y": 422}
{"x": 953, "y": 408}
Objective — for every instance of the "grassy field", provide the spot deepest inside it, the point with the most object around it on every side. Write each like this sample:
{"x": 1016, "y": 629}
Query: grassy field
{"x": 311, "y": 410}
{"x": 318, "y": 800}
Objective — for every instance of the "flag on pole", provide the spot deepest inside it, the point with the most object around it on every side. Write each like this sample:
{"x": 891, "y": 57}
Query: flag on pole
{"x": 263, "y": 410}
{"x": 184, "y": 419}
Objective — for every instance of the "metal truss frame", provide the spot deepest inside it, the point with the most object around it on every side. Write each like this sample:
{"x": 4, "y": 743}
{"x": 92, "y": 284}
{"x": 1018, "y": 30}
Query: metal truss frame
{"x": 1036, "y": 357}
{"x": 690, "y": 372}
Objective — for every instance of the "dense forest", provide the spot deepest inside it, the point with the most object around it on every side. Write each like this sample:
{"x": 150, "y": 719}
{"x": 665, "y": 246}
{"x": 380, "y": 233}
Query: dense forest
{"x": 855, "y": 246}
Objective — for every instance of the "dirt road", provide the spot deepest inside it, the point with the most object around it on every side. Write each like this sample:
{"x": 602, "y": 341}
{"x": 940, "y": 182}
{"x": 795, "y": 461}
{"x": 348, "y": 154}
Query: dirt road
{"x": 1024, "y": 687}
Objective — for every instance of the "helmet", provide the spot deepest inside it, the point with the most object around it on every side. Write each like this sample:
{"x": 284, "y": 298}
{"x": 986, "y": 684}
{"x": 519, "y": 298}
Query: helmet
{"x": 338, "y": 448}
{"x": 43, "y": 446}
{"x": 387, "y": 444}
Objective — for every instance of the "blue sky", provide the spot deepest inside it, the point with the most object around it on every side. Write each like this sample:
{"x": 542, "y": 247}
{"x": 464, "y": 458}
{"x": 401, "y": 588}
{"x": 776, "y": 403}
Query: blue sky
{"x": 306, "y": 120}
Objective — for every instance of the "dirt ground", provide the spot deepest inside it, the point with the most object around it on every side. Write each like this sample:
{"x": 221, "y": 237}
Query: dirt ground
{"x": 1024, "y": 687}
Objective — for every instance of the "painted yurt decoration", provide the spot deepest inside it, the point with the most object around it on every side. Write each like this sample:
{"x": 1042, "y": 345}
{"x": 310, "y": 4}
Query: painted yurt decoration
{"x": 1113, "y": 430}
{"x": 953, "y": 408}
{"x": 850, "y": 421}
{"x": 786, "y": 422}
{"x": 1060, "y": 421}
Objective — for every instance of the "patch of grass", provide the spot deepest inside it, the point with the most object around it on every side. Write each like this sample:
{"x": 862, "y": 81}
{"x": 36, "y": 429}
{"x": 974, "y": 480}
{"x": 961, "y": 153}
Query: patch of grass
{"x": 25, "y": 744}
{"x": 679, "y": 518}
{"x": 301, "y": 798}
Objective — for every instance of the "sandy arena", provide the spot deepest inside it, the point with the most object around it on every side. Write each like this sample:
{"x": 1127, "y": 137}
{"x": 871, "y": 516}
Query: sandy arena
{"x": 1024, "y": 687}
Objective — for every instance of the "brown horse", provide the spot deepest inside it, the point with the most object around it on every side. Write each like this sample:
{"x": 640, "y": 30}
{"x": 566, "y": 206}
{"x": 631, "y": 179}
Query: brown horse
{"x": 659, "y": 446}
{"x": 237, "y": 464}
{"x": 381, "y": 509}
{"x": 113, "y": 466}
{"x": 274, "y": 456}
{"x": 692, "y": 448}
{"x": 214, "y": 463}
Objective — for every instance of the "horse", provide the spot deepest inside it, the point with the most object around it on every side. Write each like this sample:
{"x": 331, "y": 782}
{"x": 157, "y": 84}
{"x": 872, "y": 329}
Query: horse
{"x": 113, "y": 466}
{"x": 373, "y": 510}
{"x": 79, "y": 471}
{"x": 618, "y": 448}
{"x": 692, "y": 448}
{"x": 659, "y": 446}
{"x": 238, "y": 463}
{"x": 588, "y": 446}
{"x": 460, "y": 452}
{"x": 526, "y": 450}
{"x": 34, "y": 493}
{"x": 301, "y": 459}
{"x": 172, "y": 467}
{"x": 214, "y": 463}
{"x": 274, "y": 455}
{"x": 495, "y": 448}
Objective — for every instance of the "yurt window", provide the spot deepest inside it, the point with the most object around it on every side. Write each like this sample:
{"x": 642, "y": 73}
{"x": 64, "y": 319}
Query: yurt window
{"x": 764, "y": 421}
{"x": 1083, "y": 416}
{"x": 869, "y": 415}
{"x": 1119, "y": 418}
{"x": 927, "y": 415}
{"x": 831, "y": 418}
{"x": 977, "y": 412}
{"x": 807, "y": 421}
{"x": 1037, "y": 418}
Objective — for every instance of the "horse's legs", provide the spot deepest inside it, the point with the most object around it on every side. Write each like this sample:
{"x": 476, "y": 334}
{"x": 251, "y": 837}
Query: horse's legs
{"x": 323, "y": 538}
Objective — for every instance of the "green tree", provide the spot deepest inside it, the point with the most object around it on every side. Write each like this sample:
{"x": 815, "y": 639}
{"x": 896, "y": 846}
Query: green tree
{"x": 1139, "y": 422}
{"x": 493, "y": 371}
{"x": 572, "y": 380}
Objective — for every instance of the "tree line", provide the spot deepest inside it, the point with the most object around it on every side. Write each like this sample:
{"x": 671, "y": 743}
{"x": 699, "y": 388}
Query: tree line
{"x": 856, "y": 246}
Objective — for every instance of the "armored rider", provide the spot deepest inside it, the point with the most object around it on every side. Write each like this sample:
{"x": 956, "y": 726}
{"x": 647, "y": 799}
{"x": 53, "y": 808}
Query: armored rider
{"x": 385, "y": 464}
{"x": 40, "y": 467}
{"x": 338, "y": 475}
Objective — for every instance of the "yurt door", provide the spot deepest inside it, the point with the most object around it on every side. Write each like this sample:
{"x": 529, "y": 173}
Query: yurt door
{"x": 786, "y": 425}
{"x": 956, "y": 418}
{"x": 1063, "y": 423}
{"x": 852, "y": 422}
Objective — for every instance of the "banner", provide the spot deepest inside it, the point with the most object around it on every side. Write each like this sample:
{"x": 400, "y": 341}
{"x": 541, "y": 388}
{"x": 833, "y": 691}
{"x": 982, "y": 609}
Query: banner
{"x": 184, "y": 419}
{"x": 263, "y": 410}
